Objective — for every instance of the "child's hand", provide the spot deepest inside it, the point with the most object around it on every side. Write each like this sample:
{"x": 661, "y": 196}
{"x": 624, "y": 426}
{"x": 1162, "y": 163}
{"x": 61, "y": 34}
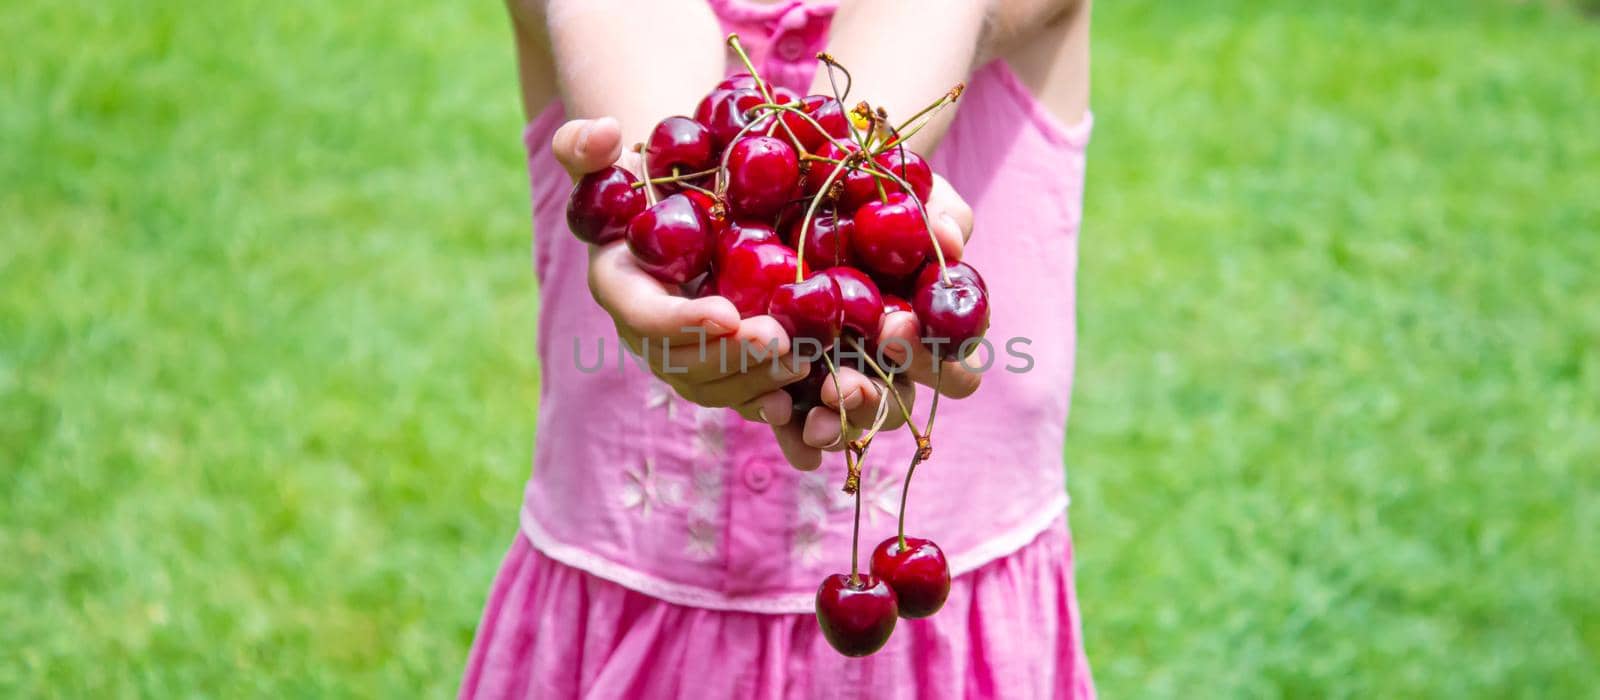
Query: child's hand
{"x": 803, "y": 445}
{"x": 647, "y": 312}
{"x": 686, "y": 338}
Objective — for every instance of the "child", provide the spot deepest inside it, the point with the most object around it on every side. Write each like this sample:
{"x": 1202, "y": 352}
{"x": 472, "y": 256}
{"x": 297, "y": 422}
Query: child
{"x": 667, "y": 549}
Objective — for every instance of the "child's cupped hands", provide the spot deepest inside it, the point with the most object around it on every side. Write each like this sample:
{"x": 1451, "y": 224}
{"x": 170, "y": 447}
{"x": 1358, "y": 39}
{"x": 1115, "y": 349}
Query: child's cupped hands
{"x": 712, "y": 357}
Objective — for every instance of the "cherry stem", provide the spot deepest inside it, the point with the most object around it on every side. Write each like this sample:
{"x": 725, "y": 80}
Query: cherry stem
{"x": 805, "y": 223}
{"x": 644, "y": 164}
{"x": 844, "y": 423}
{"x": 829, "y": 61}
{"x": 905, "y": 490}
{"x": 738, "y": 48}
{"x": 930, "y": 111}
{"x": 855, "y": 530}
{"x": 924, "y": 450}
{"x": 938, "y": 251}
{"x": 832, "y": 64}
{"x": 878, "y": 369}
{"x": 676, "y": 177}
{"x": 771, "y": 106}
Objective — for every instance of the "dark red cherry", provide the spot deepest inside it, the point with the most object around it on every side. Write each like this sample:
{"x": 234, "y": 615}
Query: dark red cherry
{"x": 821, "y": 170}
{"x": 672, "y": 240}
{"x": 601, "y": 205}
{"x": 763, "y": 175}
{"x": 702, "y": 286}
{"x": 707, "y": 105}
{"x": 750, "y": 271}
{"x": 856, "y": 615}
{"x": 681, "y": 143}
{"x": 959, "y": 272}
{"x": 890, "y": 238}
{"x": 708, "y": 205}
{"x": 737, "y": 233}
{"x": 726, "y": 112}
{"x": 859, "y": 301}
{"x": 810, "y": 308}
{"x": 824, "y": 110}
{"x": 955, "y": 311}
{"x": 806, "y": 394}
{"x": 737, "y": 81}
{"x": 782, "y": 96}
{"x": 827, "y": 242}
{"x": 861, "y": 187}
{"x": 892, "y": 303}
{"x": 917, "y": 572}
{"x": 909, "y": 166}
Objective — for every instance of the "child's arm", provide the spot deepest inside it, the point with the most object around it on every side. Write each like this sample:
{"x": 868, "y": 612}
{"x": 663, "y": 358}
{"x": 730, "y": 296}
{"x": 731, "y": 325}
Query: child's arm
{"x": 625, "y": 59}
{"x": 903, "y": 54}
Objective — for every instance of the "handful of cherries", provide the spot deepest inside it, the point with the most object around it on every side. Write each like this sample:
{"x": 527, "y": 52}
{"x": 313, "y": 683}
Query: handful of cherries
{"x": 813, "y": 214}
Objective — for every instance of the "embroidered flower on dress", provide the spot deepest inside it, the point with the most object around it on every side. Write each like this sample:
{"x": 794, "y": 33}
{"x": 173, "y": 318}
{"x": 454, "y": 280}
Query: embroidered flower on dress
{"x": 702, "y": 542}
{"x": 808, "y": 544}
{"x": 657, "y": 395}
{"x": 643, "y": 489}
{"x": 880, "y": 493}
{"x": 709, "y": 438}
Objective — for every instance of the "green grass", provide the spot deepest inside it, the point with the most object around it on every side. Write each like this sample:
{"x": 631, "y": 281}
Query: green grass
{"x": 267, "y": 386}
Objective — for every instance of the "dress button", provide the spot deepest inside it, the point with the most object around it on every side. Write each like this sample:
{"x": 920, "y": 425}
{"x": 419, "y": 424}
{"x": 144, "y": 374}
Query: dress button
{"x": 792, "y": 48}
{"x": 757, "y": 476}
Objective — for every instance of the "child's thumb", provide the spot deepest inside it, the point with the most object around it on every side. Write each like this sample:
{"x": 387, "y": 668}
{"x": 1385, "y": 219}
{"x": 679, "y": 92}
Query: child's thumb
{"x": 583, "y": 146}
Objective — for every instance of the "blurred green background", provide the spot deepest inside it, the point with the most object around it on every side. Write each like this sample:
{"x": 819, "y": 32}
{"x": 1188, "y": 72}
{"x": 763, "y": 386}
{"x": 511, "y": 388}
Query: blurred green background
{"x": 268, "y": 389}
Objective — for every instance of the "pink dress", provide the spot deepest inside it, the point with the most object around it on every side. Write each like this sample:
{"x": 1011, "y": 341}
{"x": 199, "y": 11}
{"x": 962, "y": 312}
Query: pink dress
{"x": 667, "y": 550}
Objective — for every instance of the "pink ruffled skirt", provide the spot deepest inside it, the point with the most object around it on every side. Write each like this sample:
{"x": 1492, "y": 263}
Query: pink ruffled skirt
{"x": 1010, "y": 629}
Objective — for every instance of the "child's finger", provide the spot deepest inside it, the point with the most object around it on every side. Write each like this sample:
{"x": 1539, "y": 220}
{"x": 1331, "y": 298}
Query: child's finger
{"x": 643, "y": 308}
{"x": 773, "y": 408}
{"x": 900, "y": 333}
{"x": 586, "y": 145}
{"x": 790, "y": 439}
{"x": 822, "y": 429}
{"x": 754, "y": 347}
{"x": 951, "y": 218}
{"x": 740, "y": 388}
{"x": 862, "y": 395}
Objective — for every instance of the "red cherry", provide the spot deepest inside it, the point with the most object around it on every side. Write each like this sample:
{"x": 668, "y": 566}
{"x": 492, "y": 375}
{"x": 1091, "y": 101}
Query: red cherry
{"x": 679, "y": 142}
{"x": 702, "y": 286}
{"x": 707, "y": 104}
{"x": 860, "y": 303}
{"x": 892, "y": 303}
{"x": 857, "y": 616}
{"x": 809, "y": 309}
{"x": 890, "y": 237}
{"x": 738, "y": 233}
{"x": 959, "y": 272}
{"x": 671, "y": 240}
{"x": 726, "y": 112}
{"x": 827, "y": 242}
{"x": 781, "y": 96}
{"x": 910, "y": 167}
{"x": 763, "y": 174}
{"x": 861, "y": 187}
{"x": 918, "y": 574}
{"x": 806, "y": 394}
{"x": 737, "y": 81}
{"x": 601, "y": 205}
{"x": 750, "y": 271}
{"x": 955, "y": 311}
{"x": 706, "y": 204}
{"x": 825, "y": 111}
{"x": 821, "y": 170}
